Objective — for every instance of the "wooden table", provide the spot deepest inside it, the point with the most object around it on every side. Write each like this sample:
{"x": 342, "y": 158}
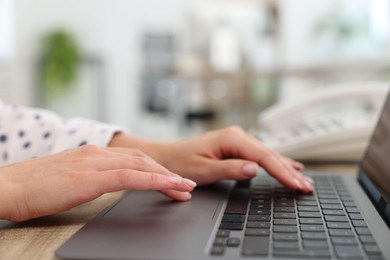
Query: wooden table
{"x": 39, "y": 238}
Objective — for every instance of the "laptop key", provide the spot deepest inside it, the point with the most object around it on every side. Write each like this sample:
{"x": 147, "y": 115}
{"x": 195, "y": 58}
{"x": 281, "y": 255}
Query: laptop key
{"x": 303, "y": 254}
{"x": 344, "y": 241}
{"x": 285, "y": 229}
{"x": 219, "y": 241}
{"x": 339, "y": 225}
{"x": 333, "y": 212}
{"x": 331, "y": 206}
{"x": 315, "y": 244}
{"x": 217, "y": 250}
{"x": 312, "y": 228}
{"x": 257, "y": 232}
{"x": 346, "y": 198}
{"x": 255, "y": 246}
{"x": 307, "y": 203}
{"x": 327, "y": 196}
{"x": 288, "y": 222}
{"x": 367, "y": 239}
{"x": 284, "y": 215}
{"x": 314, "y": 235}
{"x": 258, "y": 225}
{"x": 307, "y": 208}
{"x": 233, "y": 218}
{"x": 309, "y": 214}
{"x": 232, "y": 226}
{"x": 341, "y": 233}
{"x": 285, "y": 245}
{"x": 284, "y": 204}
{"x": 352, "y": 210}
{"x": 306, "y": 197}
{"x": 313, "y": 221}
{"x": 359, "y": 223}
{"x": 349, "y": 204}
{"x": 372, "y": 250}
{"x": 233, "y": 242}
{"x": 285, "y": 237}
{"x": 223, "y": 233}
{"x": 238, "y": 201}
{"x": 355, "y": 216}
{"x": 259, "y": 201}
{"x": 259, "y": 212}
{"x": 261, "y": 218}
{"x": 330, "y": 218}
{"x": 363, "y": 231}
{"x": 329, "y": 201}
{"x": 260, "y": 206}
{"x": 284, "y": 209}
{"x": 352, "y": 252}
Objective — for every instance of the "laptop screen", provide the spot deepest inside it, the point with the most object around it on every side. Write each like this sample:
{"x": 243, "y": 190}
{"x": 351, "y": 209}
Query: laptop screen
{"x": 374, "y": 174}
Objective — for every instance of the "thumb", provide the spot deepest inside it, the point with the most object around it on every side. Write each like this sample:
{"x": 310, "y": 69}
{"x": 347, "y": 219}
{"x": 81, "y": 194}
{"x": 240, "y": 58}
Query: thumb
{"x": 234, "y": 169}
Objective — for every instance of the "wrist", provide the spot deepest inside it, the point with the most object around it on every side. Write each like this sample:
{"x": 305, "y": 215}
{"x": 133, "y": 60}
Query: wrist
{"x": 7, "y": 195}
{"x": 154, "y": 149}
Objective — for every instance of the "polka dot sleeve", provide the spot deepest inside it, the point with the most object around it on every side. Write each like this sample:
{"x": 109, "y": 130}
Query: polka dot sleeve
{"x": 26, "y": 133}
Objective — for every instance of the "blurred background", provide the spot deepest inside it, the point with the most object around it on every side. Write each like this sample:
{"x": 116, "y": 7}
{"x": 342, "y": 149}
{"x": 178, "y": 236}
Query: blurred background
{"x": 174, "y": 68}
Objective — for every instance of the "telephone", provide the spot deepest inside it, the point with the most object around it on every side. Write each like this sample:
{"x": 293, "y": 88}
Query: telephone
{"x": 331, "y": 124}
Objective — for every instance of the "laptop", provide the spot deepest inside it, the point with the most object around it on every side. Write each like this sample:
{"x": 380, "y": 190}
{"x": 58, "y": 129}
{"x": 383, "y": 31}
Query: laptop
{"x": 346, "y": 217}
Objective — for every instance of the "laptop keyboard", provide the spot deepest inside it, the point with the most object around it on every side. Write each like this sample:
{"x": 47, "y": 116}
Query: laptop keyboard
{"x": 266, "y": 220}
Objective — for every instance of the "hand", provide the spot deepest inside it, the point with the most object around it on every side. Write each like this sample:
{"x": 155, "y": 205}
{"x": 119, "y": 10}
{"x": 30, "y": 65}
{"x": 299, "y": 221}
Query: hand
{"x": 224, "y": 154}
{"x": 55, "y": 183}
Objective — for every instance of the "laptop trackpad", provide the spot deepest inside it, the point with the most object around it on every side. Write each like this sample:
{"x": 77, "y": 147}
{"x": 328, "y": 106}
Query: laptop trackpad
{"x": 148, "y": 225}
{"x": 151, "y": 205}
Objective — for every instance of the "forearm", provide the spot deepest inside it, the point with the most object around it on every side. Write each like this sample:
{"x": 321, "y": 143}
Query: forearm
{"x": 8, "y": 192}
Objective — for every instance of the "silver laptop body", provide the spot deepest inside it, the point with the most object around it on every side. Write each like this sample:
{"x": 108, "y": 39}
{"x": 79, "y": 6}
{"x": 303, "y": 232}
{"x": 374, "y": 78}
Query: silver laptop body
{"x": 145, "y": 225}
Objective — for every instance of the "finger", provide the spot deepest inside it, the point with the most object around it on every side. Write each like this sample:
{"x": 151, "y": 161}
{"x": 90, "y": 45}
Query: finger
{"x": 305, "y": 186}
{"x": 297, "y": 165}
{"x": 251, "y": 149}
{"x": 122, "y": 158}
{"x": 139, "y": 163}
{"x": 177, "y": 195}
{"x": 233, "y": 169}
{"x": 116, "y": 180}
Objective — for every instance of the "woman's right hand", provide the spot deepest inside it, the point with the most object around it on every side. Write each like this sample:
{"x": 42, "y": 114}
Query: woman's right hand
{"x": 55, "y": 183}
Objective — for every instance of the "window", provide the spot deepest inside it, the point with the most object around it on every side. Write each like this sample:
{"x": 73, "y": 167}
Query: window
{"x": 380, "y": 20}
{"x": 6, "y": 30}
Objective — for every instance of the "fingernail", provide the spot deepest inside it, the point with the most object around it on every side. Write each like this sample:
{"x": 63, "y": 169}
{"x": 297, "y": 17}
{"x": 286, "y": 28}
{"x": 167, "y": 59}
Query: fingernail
{"x": 190, "y": 183}
{"x": 188, "y": 196}
{"x": 298, "y": 183}
{"x": 308, "y": 185}
{"x": 250, "y": 169}
{"x": 174, "y": 180}
{"x": 300, "y": 165}
{"x": 309, "y": 179}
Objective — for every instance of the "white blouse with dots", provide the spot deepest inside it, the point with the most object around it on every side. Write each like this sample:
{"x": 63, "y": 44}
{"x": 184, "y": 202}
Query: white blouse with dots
{"x": 26, "y": 133}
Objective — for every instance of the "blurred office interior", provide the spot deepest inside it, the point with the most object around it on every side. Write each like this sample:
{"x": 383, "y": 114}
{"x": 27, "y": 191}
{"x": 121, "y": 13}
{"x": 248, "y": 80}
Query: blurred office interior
{"x": 173, "y": 68}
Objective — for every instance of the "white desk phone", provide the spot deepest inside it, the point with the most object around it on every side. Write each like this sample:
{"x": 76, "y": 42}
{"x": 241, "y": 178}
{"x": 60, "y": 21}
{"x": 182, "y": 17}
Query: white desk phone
{"x": 331, "y": 124}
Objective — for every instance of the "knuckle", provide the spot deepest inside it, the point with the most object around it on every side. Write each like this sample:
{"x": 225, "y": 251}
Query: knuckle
{"x": 137, "y": 152}
{"x": 122, "y": 176}
{"x": 141, "y": 162}
{"x": 152, "y": 181}
{"x": 235, "y": 129}
{"x": 232, "y": 131}
{"x": 267, "y": 155}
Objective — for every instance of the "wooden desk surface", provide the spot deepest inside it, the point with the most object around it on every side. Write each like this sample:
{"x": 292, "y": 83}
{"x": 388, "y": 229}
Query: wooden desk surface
{"x": 39, "y": 238}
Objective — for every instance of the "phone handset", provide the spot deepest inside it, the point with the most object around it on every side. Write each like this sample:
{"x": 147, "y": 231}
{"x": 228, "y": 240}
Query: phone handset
{"x": 285, "y": 114}
{"x": 330, "y": 124}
